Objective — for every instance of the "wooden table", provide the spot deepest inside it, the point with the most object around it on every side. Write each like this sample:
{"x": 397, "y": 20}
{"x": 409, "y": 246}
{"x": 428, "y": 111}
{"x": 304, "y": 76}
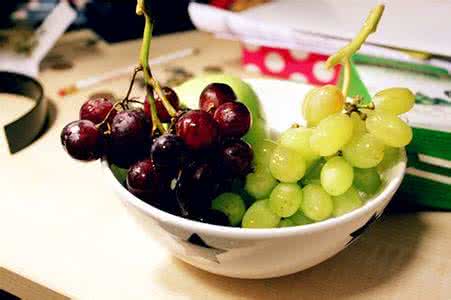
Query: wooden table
{"x": 61, "y": 227}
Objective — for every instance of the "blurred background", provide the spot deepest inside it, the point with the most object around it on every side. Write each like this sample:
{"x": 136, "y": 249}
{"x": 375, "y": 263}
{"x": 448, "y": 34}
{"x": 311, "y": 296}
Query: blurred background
{"x": 106, "y": 18}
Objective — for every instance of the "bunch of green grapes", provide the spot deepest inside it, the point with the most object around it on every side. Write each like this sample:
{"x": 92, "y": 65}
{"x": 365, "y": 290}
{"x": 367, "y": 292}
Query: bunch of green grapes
{"x": 333, "y": 165}
{"x": 330, "y": 167}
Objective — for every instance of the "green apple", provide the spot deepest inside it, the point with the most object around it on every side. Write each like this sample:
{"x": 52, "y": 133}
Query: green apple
{"x": 189, "y": 93}
{"x": 257, "y": 132}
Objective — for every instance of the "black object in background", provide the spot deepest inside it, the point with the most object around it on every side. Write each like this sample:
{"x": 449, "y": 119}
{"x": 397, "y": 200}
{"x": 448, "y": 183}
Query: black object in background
{"x": 23, "y": 131}
{"x": 116, "y": 21}
{"x": 4, "y": 295}
{"x": 7, "y": 7}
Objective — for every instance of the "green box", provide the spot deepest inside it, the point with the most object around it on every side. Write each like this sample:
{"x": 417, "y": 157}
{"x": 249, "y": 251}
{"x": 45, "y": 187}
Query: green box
{"x": 428, "y": 175}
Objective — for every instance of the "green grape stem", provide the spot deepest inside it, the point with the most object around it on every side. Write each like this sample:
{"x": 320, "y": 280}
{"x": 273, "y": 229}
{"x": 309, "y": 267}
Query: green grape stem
{"x": 343, "y": 56}
{"x": 156, "y": 123}
{"x": 346, "y": 77}
{"x": 167, "y": 105}
{"x": 148, "y": 78}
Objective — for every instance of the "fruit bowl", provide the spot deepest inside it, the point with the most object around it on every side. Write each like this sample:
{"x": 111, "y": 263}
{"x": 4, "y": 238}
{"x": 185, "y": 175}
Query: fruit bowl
{"x": 261, "y": 253}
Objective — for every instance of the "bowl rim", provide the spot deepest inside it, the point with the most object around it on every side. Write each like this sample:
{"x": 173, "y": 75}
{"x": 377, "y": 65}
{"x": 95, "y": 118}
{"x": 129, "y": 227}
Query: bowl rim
{"x": 256, "y": 233}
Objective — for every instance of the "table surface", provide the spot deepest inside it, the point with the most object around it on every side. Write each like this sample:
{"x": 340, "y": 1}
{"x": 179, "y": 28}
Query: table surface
{"x": 62, "y": 227}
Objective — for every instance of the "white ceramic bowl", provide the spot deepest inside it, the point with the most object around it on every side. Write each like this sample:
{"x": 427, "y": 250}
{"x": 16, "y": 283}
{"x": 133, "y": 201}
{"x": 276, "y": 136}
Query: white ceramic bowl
{"x": 261, "y": 253}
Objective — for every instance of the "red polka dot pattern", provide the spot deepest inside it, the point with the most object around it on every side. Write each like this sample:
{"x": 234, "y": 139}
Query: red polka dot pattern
{"x": 283, "y": 63}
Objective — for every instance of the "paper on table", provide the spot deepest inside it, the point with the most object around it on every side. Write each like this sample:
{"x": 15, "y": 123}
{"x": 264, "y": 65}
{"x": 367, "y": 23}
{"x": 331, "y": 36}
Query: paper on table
{"x": 417, "y": 24}
{"x": 284, "y": 29}
{"x": 47, "y": 34}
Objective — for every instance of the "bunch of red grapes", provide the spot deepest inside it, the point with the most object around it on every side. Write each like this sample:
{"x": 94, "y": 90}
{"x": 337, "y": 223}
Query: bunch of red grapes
{"x": 199, "y": 155}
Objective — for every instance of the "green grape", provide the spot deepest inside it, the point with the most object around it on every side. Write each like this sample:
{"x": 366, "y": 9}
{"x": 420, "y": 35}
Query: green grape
{"x": 286, "y": 223}
{"x": 391, "y": 157}
{"x": 257, "y": 132}
{"x": 346, "y": 202}
{"x": 317, "y": 203}
{"x": 260, "y": 183}
{"x": 285, "y": 199}
{"x": 119, "y": 173}
{"x": 336, "y": 176}
{"x": 232, "y": 205}
{"x": 260, "y": 216}
{"x": 394, "y": 100}
{"x": 331, "y": 134}
{"x": 286, "y": 164}
{"x": 298, "y": 139}
{"x": 300, "y": 219}
{"x": 390, "y": 129}
{"x": 329, "y": 157}
{"x": 367, "y": 180}
{"x": 322, "y": 102}
{"x": 364, "y": 151}
{"x": 358, "y": 125}
{"x": 313, "y": 172}
{"x": 263, "y": 151}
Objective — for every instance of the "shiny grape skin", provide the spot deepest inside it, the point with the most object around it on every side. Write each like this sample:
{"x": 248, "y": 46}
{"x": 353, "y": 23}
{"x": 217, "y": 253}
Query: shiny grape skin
{"x": 214, "y": 95}
{"x": 198, "y": 129}
{"x": 237, "y": 156}
{"x": 197, "y": 186}
{"x": 142, "y": 179}
{"x": 153, "y": 187}
{"x": 234, "y": 119}
{"x": 82, "y": 140}
{"x": 130, "y": 138}
{"x": 168, "y": 151}
{"x": 96, "y": 110}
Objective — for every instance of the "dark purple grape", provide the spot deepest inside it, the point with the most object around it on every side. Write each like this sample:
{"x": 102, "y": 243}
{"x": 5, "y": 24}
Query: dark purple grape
{"x": 198, "y": 129}
{"x": 96, "y": 110}
{"x": 214, "y": 95}
{"x": 172, "y": 97}
{"x": 236, "y": 156}
{"x": 143, "y": 181}
{"x": 196, "y": 187}
{"x": 130, "y": 138}
{"x": 168, "y": 152}
{"x": 233, "y": 118}
{"x": 148, "y": 184}
{"x": 82, "y": 140}
{"x": 214, "y": 217}
{"x": 162, "y": 113}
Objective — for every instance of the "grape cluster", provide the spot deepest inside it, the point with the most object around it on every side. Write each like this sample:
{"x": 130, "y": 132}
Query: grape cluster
{"x": 195, "y": 163}
{"x": 331, "y": 166}
{"x": 189, "y": 168}
{"x": 200, "y": 168}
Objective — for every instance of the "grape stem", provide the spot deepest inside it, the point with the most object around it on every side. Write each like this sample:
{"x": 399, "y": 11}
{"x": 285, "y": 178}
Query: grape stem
{"x": 144, "y": 61}
{"x": 167, "y": 105}
{"x": 118, "y": 103}
{"x": 346, "y": 77}
{"x": 343, "y": 56}
{"x": 124, "y": 101}
{"x": 156, "y": 123}
{"x": 132, "y": 82}
{"x": 135, "y": 101}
